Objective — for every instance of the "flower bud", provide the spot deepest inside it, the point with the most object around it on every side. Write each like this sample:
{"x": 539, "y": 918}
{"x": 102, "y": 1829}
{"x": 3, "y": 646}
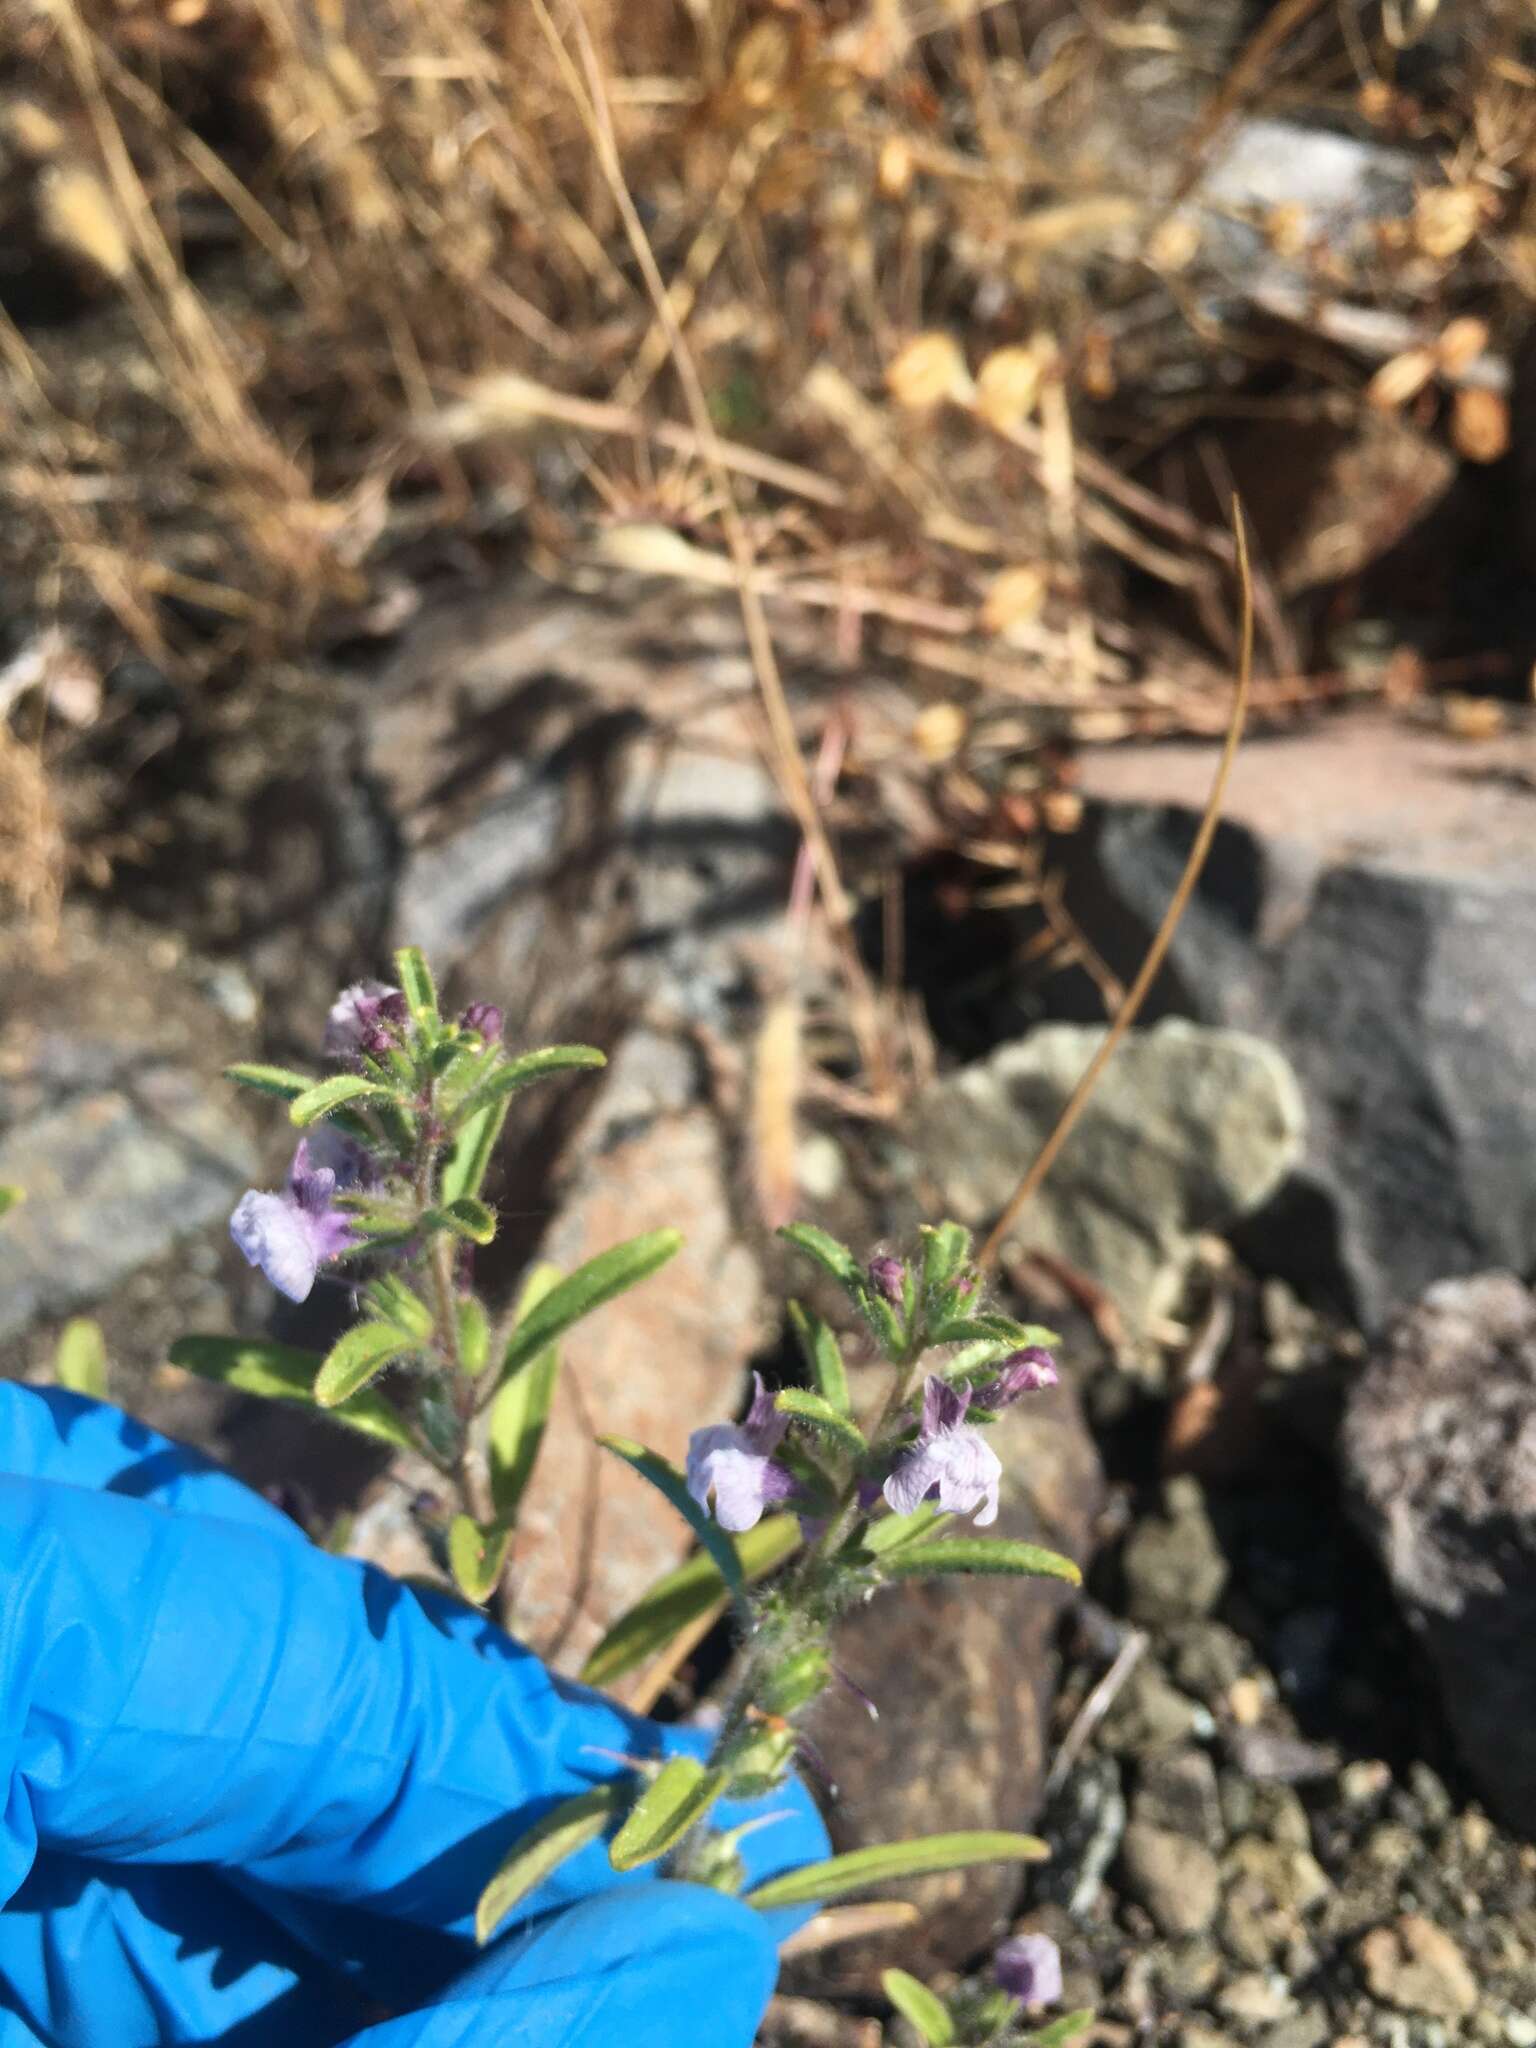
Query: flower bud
{"x": 1029, "y": 1969}
{"x": 1028, "y": 1371}
{"x": 484, "y": 1018}
{"x": 888, "y": 1277}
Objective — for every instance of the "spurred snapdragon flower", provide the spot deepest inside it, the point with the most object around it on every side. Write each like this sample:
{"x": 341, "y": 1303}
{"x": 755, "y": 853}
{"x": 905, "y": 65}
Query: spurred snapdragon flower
{"x": 949, "y": 1461}
{"x": 1029, "y": 1371}
{"x": 735, "y": 1462}
{"x": 362, "y": 1019}
{"x": 290, "y": 1236}
{"x": 1029, "y": 1969}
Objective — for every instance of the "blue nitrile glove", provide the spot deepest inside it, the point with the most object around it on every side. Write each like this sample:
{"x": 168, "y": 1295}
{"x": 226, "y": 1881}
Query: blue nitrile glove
{"x": 251, "y": 1792}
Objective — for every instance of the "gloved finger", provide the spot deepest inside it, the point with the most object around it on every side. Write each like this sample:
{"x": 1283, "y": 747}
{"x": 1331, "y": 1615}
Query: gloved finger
{"x": 144, "y": 1958}
{"x": 665, "y": 1966}
{"x": 46, "y": 1433}
{"x": 181, "y": 1689}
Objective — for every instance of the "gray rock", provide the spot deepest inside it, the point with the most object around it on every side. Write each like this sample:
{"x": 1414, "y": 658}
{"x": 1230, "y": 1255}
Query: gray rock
{"x": 1084, "y": 1826}
{"x": 113, "y": 1120}
{"x": 1175, "y": 1878}
{"x": 1369, "y": 905}
{"x": 1439, "y": 1449}
{"x": 1188, "y": 1129}
{"x": 1416, "y": 1967}
{"x": 1174, "y": 1567}
{"x": 1151, "y": 1714}
{"x": 1178, "y": 1791}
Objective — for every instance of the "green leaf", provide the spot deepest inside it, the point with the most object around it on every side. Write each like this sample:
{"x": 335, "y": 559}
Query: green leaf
{"x": 353, "y": 1360}
{"x": 922, "y": 1857}
{"x": 9, "y": 1198}
{"x": 668, "y": 1482}
{"x": 540, "y": 1852}
{"x": 476, "y": 1556}
{"x": 282, "y": 1082}
{"x": 970, "y": 1329}
{"x": 621, "y": 1267}
{"x": 522, "y": 1072}
{"x": 521, "y": 1408}
{"x": 823, "y": 1359}
{"x": 892, "y": 1531}
{"x": 946, "y": 1247}
{"x": 684, "y": 1597}
{"x": 280, "y": 1372}
{"x": 418, "y": 987}
{"x": 923, "y": 2008}
{"x": 400, "y": 1305}
{"x": 328, "y": 1096}
{"x": 467, "y": 1217}
{"x": 469, "y": 1158}
{"x": 1067, "y": 2028}
{"x": 80, "y": 1361}
{"x": 804, "y": 1406}
{"x": 681, "y": 1792}
{"x": 987, "y": 1554}
{"x": 474, "y": 1335}
{"x": 832, "y": 1257}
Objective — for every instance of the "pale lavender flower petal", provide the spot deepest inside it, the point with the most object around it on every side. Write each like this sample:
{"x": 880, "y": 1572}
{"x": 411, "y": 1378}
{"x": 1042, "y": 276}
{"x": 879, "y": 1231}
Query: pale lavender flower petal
{"x": 764, "y": 1425}
{"x": 1023, "y": 1372}
{"x": 277, "y": 1237}
{"x": 948, "y": 1461}
{"x": 358, "y": 1016}
{"x": 725, "y": 1460}
{"x": 1029, "y": 1969}
{"x": 944, "y": 1406}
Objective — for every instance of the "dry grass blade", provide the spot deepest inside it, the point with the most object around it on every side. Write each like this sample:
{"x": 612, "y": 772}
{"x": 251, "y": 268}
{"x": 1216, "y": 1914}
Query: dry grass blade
{"x": 1163, "y": 938}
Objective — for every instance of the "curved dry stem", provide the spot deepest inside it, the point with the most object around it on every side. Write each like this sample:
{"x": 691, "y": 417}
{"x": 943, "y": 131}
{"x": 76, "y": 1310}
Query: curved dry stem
{"x": 1163, "y": 938}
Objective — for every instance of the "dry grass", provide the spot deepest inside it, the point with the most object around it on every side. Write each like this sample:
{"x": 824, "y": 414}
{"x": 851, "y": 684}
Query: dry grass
{"x": 884, "y": 308}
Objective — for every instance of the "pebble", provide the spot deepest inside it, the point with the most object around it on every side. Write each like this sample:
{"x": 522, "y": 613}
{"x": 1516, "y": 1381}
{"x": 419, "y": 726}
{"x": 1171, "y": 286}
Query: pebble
{"x": 1177, "y": 1790}
{"x": 1254, "y": 1996}
{"x": 1176, "y": 1878}
{"x": 1520, "y": 2030}
{"x": 1175, "y": 1569}
{"x": 1415, "y": 1966}
{"x": 1364, "y": 1782}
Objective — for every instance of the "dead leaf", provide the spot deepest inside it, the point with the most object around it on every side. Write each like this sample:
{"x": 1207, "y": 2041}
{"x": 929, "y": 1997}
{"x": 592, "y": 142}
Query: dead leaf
{"x": 1480, "y": 424}
{"x": 928, "y": 371}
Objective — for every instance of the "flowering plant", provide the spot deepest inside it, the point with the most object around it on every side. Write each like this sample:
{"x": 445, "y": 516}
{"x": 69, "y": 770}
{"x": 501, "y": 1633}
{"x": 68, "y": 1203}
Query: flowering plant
{"x": 801, "y": 1509}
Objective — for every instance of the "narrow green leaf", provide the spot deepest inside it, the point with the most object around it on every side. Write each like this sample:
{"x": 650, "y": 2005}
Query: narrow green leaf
{"x": 9, "y": 1198}
{"x": 328, "y": 1096}
{"x": 282, "y": 1082}
{"x": 804, "y": 1406}
{"x": 353, "y": 1360}
{"x": 476, "y": 1556}
{"x": 823, "y": 1359}
{"x": 474, "y": 1336}
{"x": 280, "y": 1372}
{"x": 80, "y": 1361}
{"x": 469, "y": 1158}
{"x": 832, "y": 1257}
{"x": 417, "y": 986}
{"x": 985, "y": 1554}
{"x": 400, "y": 1305}
{"x": 923, "y": 1857}
{"x": 669, "y": 1482}
{"x": 680, "y": 1794}
{"x": 540, "y": 1852}
{"x": 684, "y": 1597}
{"x": 1067, "y": 2028}
{"x": 467, "y": 1217}
{"x": 970, "y": 1329}
{"x": 612, "y": 1272}
{"x": 923, "y": 2008}
{"x": 522, "y": 1072}
{"x": 520, "y": 1411}
{"x": 892, "y": 1531}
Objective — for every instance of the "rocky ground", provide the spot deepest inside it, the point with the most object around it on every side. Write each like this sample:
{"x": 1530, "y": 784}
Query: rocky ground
{"x": 1282, "y": 1746}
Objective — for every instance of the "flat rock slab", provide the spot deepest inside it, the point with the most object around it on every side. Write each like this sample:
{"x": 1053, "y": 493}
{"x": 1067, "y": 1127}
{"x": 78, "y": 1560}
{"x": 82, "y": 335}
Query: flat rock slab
{"x": 1370, "y": 906}
{"x": 1439, "y": 1450}
{"x": 114, "y": 1122}
{"x": 1188, "y": 1129}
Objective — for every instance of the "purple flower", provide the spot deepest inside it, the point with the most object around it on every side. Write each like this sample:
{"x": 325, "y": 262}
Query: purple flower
{"x": 888, "y": 1276}
{"x": 361, "y": 1018}
{"x": 1029, "y": 1969}
{"x": 291, "y": 1235}
{"x": 1022, "y": 1372}
{"x": 735, "y": 1461}
{"x": 485, "y": 1018}
{"x": 949, "y": 1460}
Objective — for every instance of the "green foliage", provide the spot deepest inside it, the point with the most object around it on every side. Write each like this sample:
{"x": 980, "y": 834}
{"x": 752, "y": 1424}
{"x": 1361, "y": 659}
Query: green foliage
{"x": 829, "y": 1254}
{"x": 9, "y": 1198}
{"x": 815, "y": 1410}
{"x": 398, "y": 1303}
{"x": 946, "y": 1248}
{"x": 924, "y": 1856}
{"x": 280, "y": 1372}
{"x": 282, "y": 1082}
{"x": 823, "y": 1358}
{"x": 611, "y": 1273}
{"x": 891, "y": 1532}
{"x": 419, "y": 990}
{"x": 669, "y": 1483}
{"x": 326, "y": 1097}
{"x": 477, "y": 1556}
{"x": 561, "y": 1832}
{"x": 921, "y": 2007}
{"x": 80, "y": 1358}
{"x": 469, "y": 1156}
{"x": 995, "y": 1556}
{"x": 684, "y": 1597}
{"x": 507, "y": 1078}
{"x": 468, "y": 1217}
{"x": 521, "y": 1408}
{"x": 1059, "y": 2032}
{"x": 678, "y": 1797}
{"x": 357, "y": 1356}
{"x": 474, "y": 1327}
